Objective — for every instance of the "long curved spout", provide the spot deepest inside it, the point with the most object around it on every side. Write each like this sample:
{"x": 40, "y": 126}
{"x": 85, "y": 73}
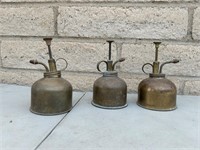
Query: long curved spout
{"x": 37, "y": 62}
{"x": 168, "y": 62}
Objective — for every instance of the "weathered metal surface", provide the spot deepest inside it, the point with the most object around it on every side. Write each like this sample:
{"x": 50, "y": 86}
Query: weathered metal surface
{"x": 109, "y": 91}
{"x": 157, "y": 92}
{"x": 52, "y": 94}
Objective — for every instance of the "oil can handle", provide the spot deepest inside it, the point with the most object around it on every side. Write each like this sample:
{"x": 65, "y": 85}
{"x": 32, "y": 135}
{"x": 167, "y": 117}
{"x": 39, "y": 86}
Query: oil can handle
{"x": 146, "y": 65}
{"x": 66, "y": 64}
{"x": 98, "y": 64}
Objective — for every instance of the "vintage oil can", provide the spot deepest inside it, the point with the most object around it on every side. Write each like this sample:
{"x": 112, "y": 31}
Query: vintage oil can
{"x": 52, "y": 94}
{"x": 109, "y": 91}
{"x": 157, "y": 92}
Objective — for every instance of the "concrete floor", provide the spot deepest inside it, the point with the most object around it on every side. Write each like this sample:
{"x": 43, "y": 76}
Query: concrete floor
{"x": 87, "y": 127}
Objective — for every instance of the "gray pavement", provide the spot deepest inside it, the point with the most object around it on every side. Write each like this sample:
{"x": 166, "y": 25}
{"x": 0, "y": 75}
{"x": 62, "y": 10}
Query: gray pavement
{"x": 87, "y": 127}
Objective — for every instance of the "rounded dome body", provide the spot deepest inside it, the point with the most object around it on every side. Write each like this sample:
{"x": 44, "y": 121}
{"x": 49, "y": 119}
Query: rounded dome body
{"x": 110, "y": 91}
{"x": 157, "y": 93}
{"x": 51, "y": 96}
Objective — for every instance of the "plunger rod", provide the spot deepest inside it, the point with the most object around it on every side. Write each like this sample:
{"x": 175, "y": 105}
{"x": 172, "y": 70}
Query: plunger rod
{"x": 50, "y": 54}
{"x": 156, "y": 57}
{"x": 156, "y": 62}
{"x": 48, "y": 42}
{"x": 109, "y": 54}
{"x": 51, "y": 61}
{"x": 157, "y": 46}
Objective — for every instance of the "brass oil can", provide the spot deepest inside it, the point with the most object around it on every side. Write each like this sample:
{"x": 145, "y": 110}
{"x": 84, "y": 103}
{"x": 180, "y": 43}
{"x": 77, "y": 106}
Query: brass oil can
{"x": 51, "y": 95}
{"x": 109, "y": 91}
{"x": 157, "y": 92}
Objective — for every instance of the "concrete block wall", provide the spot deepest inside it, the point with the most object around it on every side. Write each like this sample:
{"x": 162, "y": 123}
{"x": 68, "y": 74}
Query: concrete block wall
{"x": 80, "y": 28}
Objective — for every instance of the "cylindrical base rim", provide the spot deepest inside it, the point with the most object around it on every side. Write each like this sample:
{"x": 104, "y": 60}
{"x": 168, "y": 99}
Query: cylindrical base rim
{"x": 50, "y": 114}
{"x": 106, "y": 107}
{"x": 155, "y": 109}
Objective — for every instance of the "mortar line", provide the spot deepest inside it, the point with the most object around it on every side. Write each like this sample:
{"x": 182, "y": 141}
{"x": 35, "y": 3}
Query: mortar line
{"x": 183, "y": 87}
{"x": 55, "y": 11}
{"x": 41, "y": 70}
{"x": 190, "y": 23}
{"x": 119, "y": 54}
{"x": 95, "y": 73}
{"x": 198, "y": 124}
{"x": 104, "y": 3}
{"x": 1, "y": 62}
{"x": 58, "y": 123}
{"x": 96, "y": 40}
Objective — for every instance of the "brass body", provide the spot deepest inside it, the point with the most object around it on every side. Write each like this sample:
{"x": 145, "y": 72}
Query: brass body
{"x": 109, "y": 91}
{"x": 51, "y": 95}
{"x": 157, "y": 92}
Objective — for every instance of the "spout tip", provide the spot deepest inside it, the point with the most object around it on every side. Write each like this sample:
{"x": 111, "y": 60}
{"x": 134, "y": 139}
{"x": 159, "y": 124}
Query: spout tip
{"x": 176, "y": 60}
{"x": 33, "y": 61}
{"x": 121, "y": 59}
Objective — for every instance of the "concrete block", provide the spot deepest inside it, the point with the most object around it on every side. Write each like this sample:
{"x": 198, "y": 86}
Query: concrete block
{"x": 196, "y": 24}
{"x": 192, "y": 87}
{"x": 123, "y": 22}
{"x": 27, "y": 21}
{"x": 0, "y": 56}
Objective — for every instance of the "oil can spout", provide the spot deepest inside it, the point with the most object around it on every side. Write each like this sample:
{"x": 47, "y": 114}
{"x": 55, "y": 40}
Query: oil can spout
{"x": 119, "y": 60}
{"x": 35, "y": 62}
{"x": 174, "y": 61}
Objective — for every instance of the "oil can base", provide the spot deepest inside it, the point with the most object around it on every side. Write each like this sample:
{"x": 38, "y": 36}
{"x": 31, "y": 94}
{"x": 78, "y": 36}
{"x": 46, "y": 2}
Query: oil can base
{"x": 157, "y": 109}
{"x": 106, "y": 107}
{"x": 49, "y": 114}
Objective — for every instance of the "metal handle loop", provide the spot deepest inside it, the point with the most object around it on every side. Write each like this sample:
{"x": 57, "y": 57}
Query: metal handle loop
{"x": 145, "y": 65}
{"x": 65, "y": 62}
{"x": 98, "y": 65}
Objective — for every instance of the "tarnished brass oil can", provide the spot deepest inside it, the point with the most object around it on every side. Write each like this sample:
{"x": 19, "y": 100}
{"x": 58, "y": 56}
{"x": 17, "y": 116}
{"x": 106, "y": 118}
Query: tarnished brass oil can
{"x": 52, "y": 94}
{"x": 157, "y": 92}
{"x": 109, "y": 91}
